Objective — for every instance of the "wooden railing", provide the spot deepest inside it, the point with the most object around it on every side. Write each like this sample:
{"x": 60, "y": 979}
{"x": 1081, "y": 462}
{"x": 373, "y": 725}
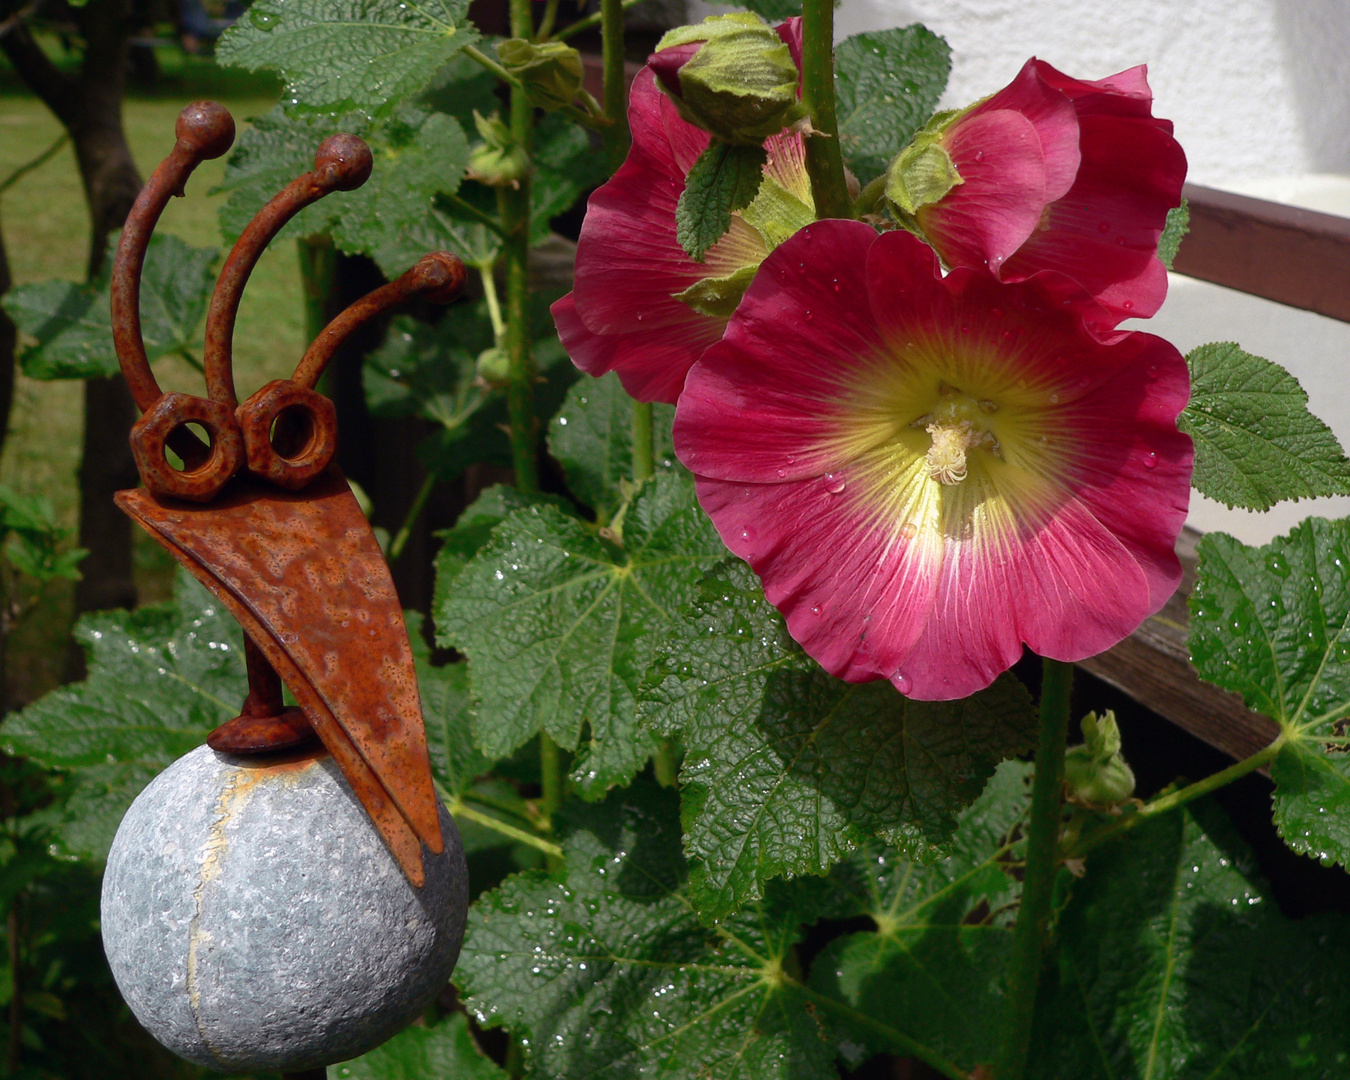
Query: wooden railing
{"x": 1295, "y": 257}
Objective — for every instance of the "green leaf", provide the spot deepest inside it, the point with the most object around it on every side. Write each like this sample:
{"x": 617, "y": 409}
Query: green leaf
{"x": 592, "y": 438}
{"x": 1273, "y": 624}
{"x": 419, "y": 1053}
{"x": 559, "y": 624}
{"x": 37, "y": 545}
{"x": 786, "y": 769}
{"x": 1255, "y": 441}
{"x": 455, "y": 762}
{"x": 888, "y": 83}
{"x": 73, "y": 324}
{"x": 418, "y": 156}
{"x": 610, "y": 974}
{"x": 1174, "y": 964}
{"x": 160, "y": 678}
{"x": 338, "y": 55}
{"x": 724, "y": 179}
{"x": 565, "y": 166}
{"x": 1178, "y": 225}
{"x": 932, "y": 968}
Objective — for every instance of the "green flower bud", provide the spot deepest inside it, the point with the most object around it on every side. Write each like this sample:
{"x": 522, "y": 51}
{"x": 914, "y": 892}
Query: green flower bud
{"x": 498, "y": 160}
{"x": 731, "y": 75}
{"x": 923, "y": 172}
{"x": 494, "y": 366}
{"x": 551, "y": 72}
{"x": 1095, "y": 772}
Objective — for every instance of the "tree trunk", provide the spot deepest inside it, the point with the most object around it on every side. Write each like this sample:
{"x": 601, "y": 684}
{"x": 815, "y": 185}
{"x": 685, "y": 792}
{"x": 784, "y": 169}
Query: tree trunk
{"x": 89, "y": 106}
{"x": 9, "y": 340}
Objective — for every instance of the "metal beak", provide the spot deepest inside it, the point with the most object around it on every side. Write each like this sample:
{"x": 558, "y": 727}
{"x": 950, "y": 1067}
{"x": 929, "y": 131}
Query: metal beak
{"x": 303, "y": 575}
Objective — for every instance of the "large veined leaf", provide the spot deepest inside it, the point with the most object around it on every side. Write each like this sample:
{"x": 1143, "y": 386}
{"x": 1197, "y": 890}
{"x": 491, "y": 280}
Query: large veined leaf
{"x": 888, "y": 85}
{"x": 72, "y": 322}
{"x": 421, "y": 1053}
{"x": 337, "y": 55}
{"x": 1273, "y": 624}
{"x": 786, "y": 769}
{"x": 1256, "y": 443}
{"x": 1172, "y": 963}
{"x": 418, "y": 156}
{"x": 559, "y": 624}
{"x": 592, "y": 438}
{"x": 930, "y": 974}
{"x": 160, "y": 678}
{"x": 608, "y": 973}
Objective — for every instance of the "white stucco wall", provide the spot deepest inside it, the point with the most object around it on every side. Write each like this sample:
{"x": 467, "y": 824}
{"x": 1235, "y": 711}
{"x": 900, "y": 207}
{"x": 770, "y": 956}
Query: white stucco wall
{"x": 1259, "y": 91}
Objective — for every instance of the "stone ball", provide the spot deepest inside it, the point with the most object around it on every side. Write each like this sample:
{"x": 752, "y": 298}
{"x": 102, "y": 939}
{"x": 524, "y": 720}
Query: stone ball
{"x": 254, "y": 919}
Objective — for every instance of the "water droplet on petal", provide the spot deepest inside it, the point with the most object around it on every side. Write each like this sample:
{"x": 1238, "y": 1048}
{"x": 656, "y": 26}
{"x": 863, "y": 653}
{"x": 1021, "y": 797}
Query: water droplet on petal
{"x": 1150, "y": 460}
{"x": 909, "y": 530}
{"x": 902, "y": 682}
{"x": 835, "y": 483}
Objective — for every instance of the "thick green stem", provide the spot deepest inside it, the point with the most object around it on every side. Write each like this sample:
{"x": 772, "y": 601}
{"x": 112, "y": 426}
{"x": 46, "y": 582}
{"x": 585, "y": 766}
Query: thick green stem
{"x": 1042, "y": 861}
{"x": 616, "y": 136}
{"x": 590, "y": 22}
{"x": 824, "y": 163}
{"x": 318, "y": 261}
{"x": 644, "y": 460}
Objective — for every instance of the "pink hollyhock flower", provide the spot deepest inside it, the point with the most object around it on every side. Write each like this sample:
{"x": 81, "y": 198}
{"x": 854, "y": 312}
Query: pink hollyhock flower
{"x": 624, "y": 313}
{"x": 1061, "y": 174}
{"x": 928, "y": 471}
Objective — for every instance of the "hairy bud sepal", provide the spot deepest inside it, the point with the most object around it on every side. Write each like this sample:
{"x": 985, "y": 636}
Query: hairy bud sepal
{"x": 1095, "y": 772}
{"x": 731, "y": 75}
{"x": 551, "y": 72}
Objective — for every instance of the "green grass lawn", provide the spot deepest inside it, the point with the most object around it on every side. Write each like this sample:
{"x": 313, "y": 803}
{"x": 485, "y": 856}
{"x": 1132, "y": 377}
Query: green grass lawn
{"x": 46, "y": 231}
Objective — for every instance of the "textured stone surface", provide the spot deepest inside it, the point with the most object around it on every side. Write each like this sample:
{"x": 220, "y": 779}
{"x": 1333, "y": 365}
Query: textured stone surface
{"x": 254, "y": 919}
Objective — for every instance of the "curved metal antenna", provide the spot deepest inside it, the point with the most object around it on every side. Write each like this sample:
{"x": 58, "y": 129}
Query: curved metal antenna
{"x": 204, "y": 131}
{"x": 439, "y": 276}
{"x": 342, "y": 162}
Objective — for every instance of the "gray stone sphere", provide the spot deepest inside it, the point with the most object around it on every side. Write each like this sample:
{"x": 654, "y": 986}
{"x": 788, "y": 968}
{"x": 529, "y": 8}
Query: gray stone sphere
{"x": 254, "y": 919}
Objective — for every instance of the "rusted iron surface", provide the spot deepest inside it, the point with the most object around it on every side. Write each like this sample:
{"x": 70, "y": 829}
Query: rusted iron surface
{"x": 302, "y": 573}
{"x": 438, "y": 276}
{"x": 286, "y": 549}
{"x": 342, "y": 163}
{"x": 1283, "y": 253}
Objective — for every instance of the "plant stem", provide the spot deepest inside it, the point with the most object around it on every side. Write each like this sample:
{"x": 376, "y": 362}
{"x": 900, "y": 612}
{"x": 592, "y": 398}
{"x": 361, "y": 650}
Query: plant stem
{"x": 1175, "y": 799}
{"x": 666, "y": 764}
{"x": 616, "y": 136}
{"x": 37, "y": 162}
{"x": 472, "y": 211}
{"x": 515, "y": 204}
{"x": 458, "y": 809}
{"x": 590, "y": 22}
{"x": 494, "y": 304}
{"x": 824, "y": 163}
{"x": 550, "y": 775}
{"x": 644, "y": 460}
{"x": 546, "y": 23}
{"x": 1042, "y": 861}
{"x": 410, "y": 519}
{"x": 484, "y": 60}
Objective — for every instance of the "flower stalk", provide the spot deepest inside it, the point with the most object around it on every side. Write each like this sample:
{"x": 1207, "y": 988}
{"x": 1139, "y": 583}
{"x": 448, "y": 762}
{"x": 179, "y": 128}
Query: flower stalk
{"x": 1042, "y": 861}
{"x": 824, "y": 161}
{"x": 616, "y": 136}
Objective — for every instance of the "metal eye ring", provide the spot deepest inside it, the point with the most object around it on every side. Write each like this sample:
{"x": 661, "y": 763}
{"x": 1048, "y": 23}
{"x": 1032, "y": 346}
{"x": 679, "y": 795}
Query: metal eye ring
{"x": 313, "y": 433}
{"x": 164, "y": 426}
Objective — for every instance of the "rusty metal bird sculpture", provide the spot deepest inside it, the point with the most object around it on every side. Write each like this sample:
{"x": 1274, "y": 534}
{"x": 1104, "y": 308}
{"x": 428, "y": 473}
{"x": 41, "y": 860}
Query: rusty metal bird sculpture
{"x": 262, "y": 517}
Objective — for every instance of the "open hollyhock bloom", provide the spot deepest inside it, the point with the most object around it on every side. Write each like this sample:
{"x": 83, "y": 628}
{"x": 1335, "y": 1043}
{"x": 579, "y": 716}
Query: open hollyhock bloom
{"x": 927, "y": 471}
{"x": 640, "y": 305}
{"x": 1051, "y": 173}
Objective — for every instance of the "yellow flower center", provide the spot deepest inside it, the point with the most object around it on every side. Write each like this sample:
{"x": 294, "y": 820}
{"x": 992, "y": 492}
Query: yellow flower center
{"x": 956, "y": 426}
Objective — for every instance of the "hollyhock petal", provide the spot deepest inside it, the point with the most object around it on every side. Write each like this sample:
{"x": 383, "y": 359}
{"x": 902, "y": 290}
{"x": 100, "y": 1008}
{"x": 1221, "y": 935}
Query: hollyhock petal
{"x": 623, "y": 313}
{"x": 651, "y": 364}
{"x": 1051, "y": 113}
{"x": 825, "y": 459}
{"x": 999, "y": 202}
{"x": 1102, "y": 228}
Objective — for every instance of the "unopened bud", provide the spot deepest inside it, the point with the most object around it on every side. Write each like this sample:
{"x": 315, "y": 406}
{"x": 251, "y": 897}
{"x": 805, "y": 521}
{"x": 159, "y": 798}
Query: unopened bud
{"x": 498, "y": 160}
{"x": 494, "y": 366}
{"x": 923, "y": 172}
{"x": 1095, "y": 772}
{"x": 550, "y": 72}
{"x": 731, "y": 75}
